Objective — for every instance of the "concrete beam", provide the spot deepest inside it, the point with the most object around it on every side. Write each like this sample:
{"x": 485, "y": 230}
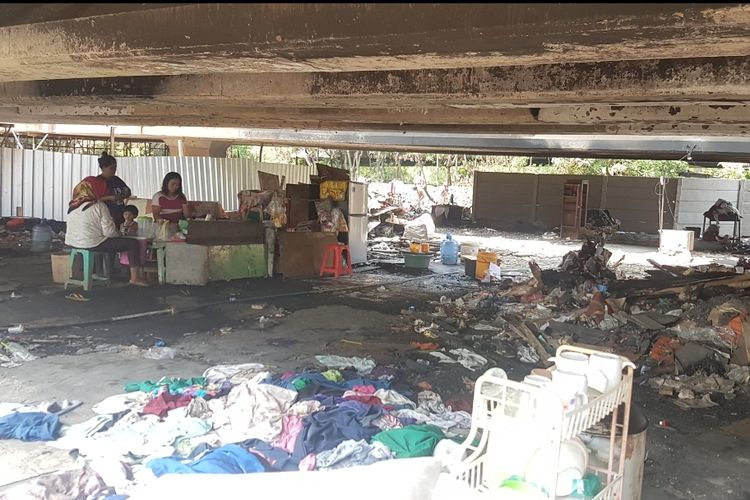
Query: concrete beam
{"x": 706, "y": 96}
{"x": 655, "y": 81}
{"x": 16, "y": 14}
{"x": 673, "y": 147}
{"x": 222, "y": 37}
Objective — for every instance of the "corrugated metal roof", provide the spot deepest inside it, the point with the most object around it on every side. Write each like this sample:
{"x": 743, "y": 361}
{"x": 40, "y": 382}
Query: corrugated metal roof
{"x": 40, "y": 182}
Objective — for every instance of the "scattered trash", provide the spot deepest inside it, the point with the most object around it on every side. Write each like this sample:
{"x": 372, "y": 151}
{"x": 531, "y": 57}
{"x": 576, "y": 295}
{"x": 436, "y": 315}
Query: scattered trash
{"x": 159, "y": 353}
{"x": 345, "y": 341}
{"x": 664, "y": 424}
{"x": 16, "y": 329}
{"x": 470, "y": 360}
{"x": 443, "y": 358}
{"x": 77, "y": 297}
{"x": 16, "y": 354}
{"x": 225, "y": 330}
{"x": 425, "y": 346}
{"x": 527, "y": 354}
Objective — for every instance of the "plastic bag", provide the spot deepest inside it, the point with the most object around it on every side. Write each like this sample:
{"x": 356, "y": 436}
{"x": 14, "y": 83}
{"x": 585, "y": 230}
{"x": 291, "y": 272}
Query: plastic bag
{"x": 17, "y": 354}
{"x": 277, "y": 210}
{"x": 325, "y": 216}
{"x": 160, "y": 353}
{"x": 339, "y": 221}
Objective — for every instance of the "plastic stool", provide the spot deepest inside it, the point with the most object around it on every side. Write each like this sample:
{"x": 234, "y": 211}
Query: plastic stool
{"x": 335, "y": 251}
{"x": 142, "y": 246}
{"x": 88, "y": 269}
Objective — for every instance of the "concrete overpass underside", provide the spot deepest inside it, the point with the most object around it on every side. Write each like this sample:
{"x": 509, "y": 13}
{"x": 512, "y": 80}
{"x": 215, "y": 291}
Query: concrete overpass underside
{"x": 620, "y": 69}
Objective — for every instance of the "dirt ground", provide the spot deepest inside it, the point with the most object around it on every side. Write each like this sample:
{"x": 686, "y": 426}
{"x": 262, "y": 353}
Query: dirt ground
{"x": 357, "y": 316}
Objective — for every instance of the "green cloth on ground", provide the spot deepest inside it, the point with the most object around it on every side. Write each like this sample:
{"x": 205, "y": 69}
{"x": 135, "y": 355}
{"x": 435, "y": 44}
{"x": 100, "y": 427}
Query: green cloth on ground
{"x": 176, "y": 385}
{"x": 333, "y": 376}
{"x": 411, "y": 441}
{"x": 300, "y": 383}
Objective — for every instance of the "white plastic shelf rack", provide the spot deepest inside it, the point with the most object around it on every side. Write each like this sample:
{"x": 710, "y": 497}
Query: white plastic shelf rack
{"x": 511, "y": 419}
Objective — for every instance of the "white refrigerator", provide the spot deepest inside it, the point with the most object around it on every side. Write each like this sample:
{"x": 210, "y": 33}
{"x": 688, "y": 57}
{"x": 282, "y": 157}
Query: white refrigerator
{"x": 357, "y": 221}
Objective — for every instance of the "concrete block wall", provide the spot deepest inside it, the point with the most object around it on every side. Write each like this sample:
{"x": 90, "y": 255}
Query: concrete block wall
{"x": 530, "y": 201}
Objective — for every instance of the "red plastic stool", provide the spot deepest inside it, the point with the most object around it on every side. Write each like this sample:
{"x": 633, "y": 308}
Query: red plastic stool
{"x": 335, "y": 252}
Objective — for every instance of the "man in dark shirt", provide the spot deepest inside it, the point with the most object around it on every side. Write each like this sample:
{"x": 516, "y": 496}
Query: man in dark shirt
{"x": 117, "y": 190}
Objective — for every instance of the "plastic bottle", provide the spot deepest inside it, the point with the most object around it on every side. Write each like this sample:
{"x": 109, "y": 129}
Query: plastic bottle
{"x": 41, "y": 237}
{"x": 449, "y": 251}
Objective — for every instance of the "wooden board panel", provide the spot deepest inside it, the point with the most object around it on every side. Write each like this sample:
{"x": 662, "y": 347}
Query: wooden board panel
{"x": 300, "y": 254}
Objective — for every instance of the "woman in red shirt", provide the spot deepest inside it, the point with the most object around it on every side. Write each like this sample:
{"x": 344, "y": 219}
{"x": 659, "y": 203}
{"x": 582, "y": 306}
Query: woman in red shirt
{"x": 170, "y": 203}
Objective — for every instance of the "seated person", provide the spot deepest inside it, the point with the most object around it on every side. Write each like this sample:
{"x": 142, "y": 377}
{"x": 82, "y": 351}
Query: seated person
{"x": 90, "y": 225}
{"x": 129, "y": 226}
{"x": 170, "y": 204}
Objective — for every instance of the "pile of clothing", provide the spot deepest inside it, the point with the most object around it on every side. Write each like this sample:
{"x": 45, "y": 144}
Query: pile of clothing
{"x": 239, "y": 419}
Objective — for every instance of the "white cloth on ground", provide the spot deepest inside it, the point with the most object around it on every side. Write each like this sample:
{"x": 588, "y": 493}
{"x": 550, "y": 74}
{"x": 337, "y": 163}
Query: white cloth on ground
{"x": 251, "y": 411}
{"x": 391, "y": 397}
{"x": 246, "y": 372}
{"x": 139, "y": 435}
{"x": 351, "y": 452}
{"x": 387, "y": 422}
{"x": 305, "y": 408}
{"x": 469, "y": 359}
{"x": 431, "y": 410}
{"x": 362, "y": 365}
{"x": 122, "y": 402}
{"x": 85, "y": 429}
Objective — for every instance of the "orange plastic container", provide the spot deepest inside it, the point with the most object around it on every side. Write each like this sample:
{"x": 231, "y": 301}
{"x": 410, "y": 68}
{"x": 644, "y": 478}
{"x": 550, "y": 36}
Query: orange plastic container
{"x": 484, "y": 259}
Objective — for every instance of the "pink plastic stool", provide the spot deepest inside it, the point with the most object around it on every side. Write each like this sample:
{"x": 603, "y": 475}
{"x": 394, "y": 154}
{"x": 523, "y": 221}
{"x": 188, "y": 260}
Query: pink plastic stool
{"x": 143, "y": 246}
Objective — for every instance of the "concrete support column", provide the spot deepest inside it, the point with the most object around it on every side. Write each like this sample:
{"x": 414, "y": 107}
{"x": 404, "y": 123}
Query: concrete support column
{"x": 198, "y": 147}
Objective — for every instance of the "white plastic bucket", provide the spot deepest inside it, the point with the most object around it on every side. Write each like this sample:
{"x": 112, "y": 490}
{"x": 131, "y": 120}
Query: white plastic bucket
{"x": 469, "y": 249}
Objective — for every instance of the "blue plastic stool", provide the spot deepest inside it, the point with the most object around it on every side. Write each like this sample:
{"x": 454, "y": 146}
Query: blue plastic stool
{"x": 89, "y": 278}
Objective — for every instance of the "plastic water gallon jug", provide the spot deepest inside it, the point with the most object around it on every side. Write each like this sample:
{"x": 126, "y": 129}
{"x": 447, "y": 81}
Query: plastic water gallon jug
{"x": 449, "y": 251}
{"x": 41, "y": 237}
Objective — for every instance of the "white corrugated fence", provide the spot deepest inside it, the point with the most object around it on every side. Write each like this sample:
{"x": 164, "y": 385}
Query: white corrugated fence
{"x": 39, "y": 183}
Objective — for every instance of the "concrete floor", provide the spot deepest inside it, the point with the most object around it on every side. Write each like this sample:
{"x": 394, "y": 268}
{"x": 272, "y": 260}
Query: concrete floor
{"x": 699, "y": 461}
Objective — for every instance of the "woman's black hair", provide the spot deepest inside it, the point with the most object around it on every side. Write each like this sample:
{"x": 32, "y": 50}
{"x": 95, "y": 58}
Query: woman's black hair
{"x": 132, "y": 209}
{"x": 106, "y": 160}
{"x": 165, "y": 183}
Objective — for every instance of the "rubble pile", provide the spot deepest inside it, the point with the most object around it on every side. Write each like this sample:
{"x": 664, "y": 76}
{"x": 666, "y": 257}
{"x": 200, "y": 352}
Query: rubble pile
{"x": 15, "y": 235}
{"x": 688, "y": 335}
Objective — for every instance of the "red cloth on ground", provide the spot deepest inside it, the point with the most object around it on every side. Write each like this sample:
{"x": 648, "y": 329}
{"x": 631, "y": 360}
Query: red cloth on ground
{"x": 362, "y": 398}
{"x": 164, "y": 402}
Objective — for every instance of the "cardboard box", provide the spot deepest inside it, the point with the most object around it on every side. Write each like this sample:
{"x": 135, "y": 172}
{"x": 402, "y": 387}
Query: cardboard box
{"x": 60, "y": 267}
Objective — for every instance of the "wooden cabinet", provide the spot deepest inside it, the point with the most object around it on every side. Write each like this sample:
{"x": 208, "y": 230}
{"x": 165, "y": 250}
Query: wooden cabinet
{"x": 574, "y": 206}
